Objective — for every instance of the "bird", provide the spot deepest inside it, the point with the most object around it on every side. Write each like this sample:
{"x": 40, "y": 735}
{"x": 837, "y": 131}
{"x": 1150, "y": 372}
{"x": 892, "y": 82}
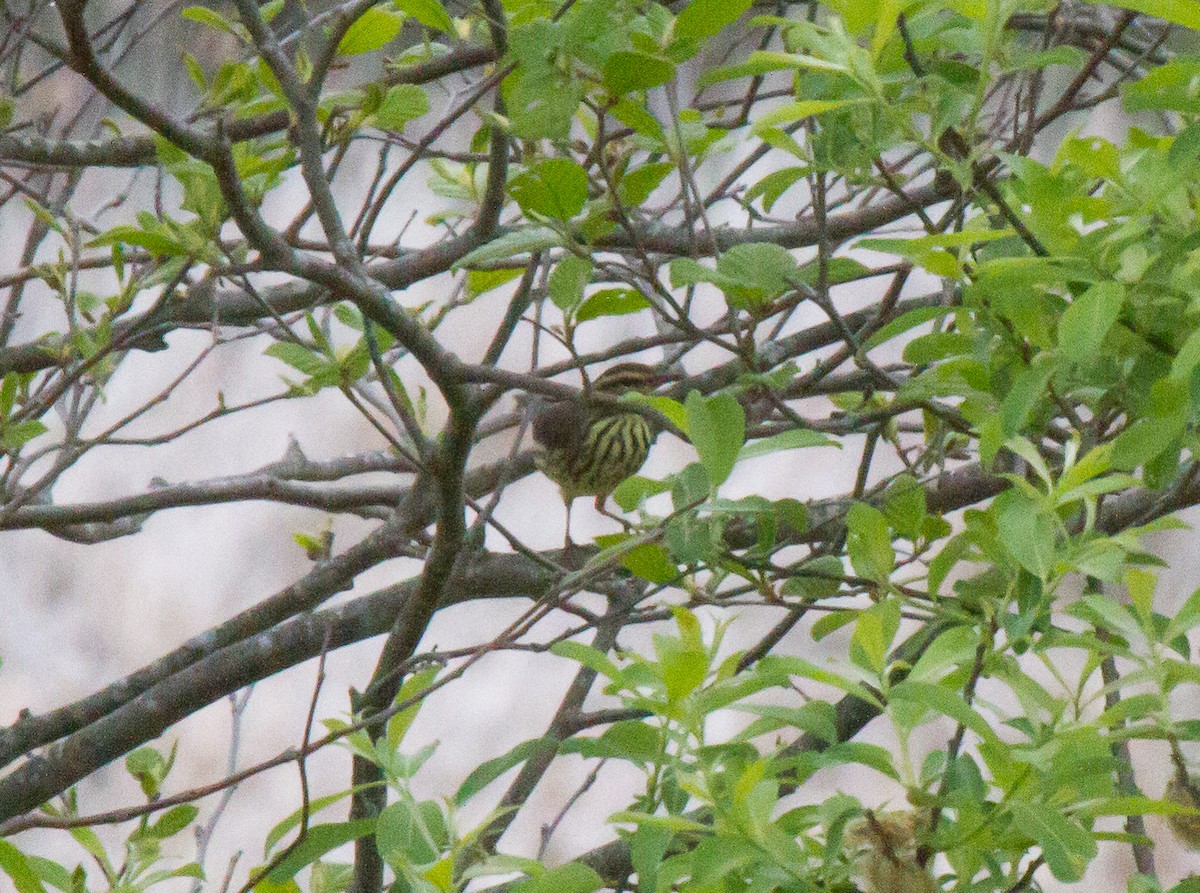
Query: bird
{"x": 587, "y": 447}
{"x": 1186, "y": 826}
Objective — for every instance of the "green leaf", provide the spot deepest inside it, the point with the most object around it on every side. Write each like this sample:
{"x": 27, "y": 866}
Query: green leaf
{"x": 542, "y": 100}
{"x": 797, "y": 666}
{"x": 156, "y": 243}
{"x": 1030, "y": 536}
{"x": 792, "y": 514}
{"x": 672, "y": 409}
{"x": 873, "y": 756}
{"x": 874, "y": 631}
{"x": 1188, "y": 357}
{"x": 705, "y": 18}
{"x": 556, "y": 188}
{"x": 90, "y": 841}
{"x": 8, "y": 393}
{"x": 370, "y": 31}
{"x": 281, "y": 829}
{"x": 398, "y": 724}
{"x": 633, "y": 740}
{"x": 266, "y": 885}
{"x": 44, "y": 214}
{"x": 149, "y": 767}
{"x": 952, "y": 648}
{"x": 817, "y": 579}
{"x": 568, "y": 280}
{"x": 638, "y": 184}
{"x": 937, "y": 346}
{"x": 754, "y": 274}
{"x": 775, "y": 184}
{"x": 429, "y": 13}
{"x": 52, "y": 873}
{"x": 650, "y": 561}
{"x": 173, "y": 821}
{"x": 403, "y": 103}
{"x": 574, "y": 877}
{"x": 196, "y": 71}
{"x": 1173, "y": 11}
{"x": 410, "y": 832}
{"x": 1140, "y": 583}
{"x": 1086, "y": 322}
{"x": 869, "y": 543}
{"x": 717, "y": 427}
{"x": 487, "y": 772}
{"x": 13, "y": 437}
{"x": 588, "y": 657}
{"x": 1066, "y": 845}
{"x": 904, "y": 323}
{"x": 527, "y": 240}
{"x": 905, "y": 507}
{"x": 1186, "y": 618}
{"x": 305, "y": 359}
{"x": 1087, "y": 467}
{"x": 214, "y": 20}
{"x": 945, "y": 701}
{"x": 1144, "y": 440}
{"x": 319, "y": 840}
{"x": 719, "y": 857}
{"x": 1166, "y": 87}
{"x": 1130, "y": 709}
{"x": 1102, "y": 611}
{"x": 481, "y": 281}
{"x": 1021, "y": 60}
{"x": 914, "y": 248}
{"x": 635, "y": 116}
{"x": 16, "y": 865}
{"x": 685, "y": 271}
{"x": 795, "y": 439}
{"x": 354, "y": 365}
{"x": 796, "y": 111}
{"x": 1132, "y": 805}
{"x": 631, "y": 491}
{"x": 647, "y": 851}
{"x": 750, "y": 68}
{"x": 611, "y": 302}
{"x": 837, "y": 271}
{"x": 1141, "y": 883}
{"x": 627, "y": 71}
{"x": 684, "y": 665}
{"x": 818, "y": 718}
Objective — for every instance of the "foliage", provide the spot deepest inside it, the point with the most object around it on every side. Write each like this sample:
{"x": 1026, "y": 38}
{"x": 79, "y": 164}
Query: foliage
{"x": 878, "y": 231}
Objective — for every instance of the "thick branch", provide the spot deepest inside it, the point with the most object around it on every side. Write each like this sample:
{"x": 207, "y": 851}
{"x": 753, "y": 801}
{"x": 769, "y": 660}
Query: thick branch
{"x": 228, "y": 669}
{"x": 140, "y": 151}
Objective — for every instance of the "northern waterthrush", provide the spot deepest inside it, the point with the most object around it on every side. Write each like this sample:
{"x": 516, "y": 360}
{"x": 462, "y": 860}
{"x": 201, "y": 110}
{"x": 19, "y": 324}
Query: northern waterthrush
{"x": 1185, "y": 825}
{"x": 587, "y": 446}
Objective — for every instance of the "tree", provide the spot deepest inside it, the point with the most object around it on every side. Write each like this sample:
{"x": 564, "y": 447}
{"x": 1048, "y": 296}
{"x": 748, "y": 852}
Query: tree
{"x": 886, "y": 227}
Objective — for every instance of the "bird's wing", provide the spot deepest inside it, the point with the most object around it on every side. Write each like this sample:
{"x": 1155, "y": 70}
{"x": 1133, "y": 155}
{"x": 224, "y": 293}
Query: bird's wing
{"x": 558, "y": 426}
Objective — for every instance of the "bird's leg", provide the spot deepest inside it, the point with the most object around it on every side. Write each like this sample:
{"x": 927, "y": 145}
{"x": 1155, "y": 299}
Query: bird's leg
{"x": 568, "y": 545}
{"x": 600, "y": 507}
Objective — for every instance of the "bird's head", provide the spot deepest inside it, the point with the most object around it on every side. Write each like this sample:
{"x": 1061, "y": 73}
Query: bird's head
{"x": 625, "y": 377}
